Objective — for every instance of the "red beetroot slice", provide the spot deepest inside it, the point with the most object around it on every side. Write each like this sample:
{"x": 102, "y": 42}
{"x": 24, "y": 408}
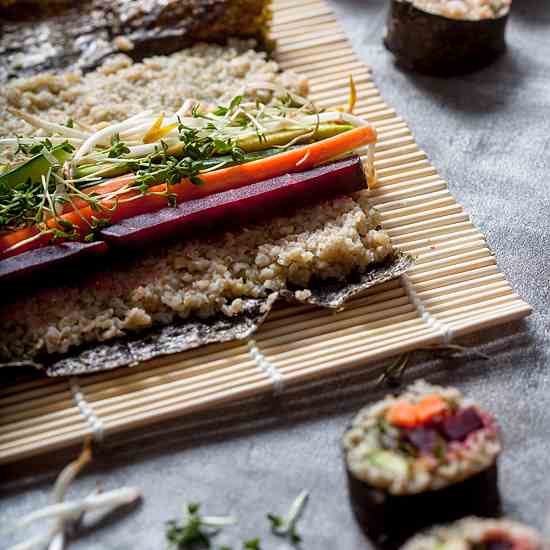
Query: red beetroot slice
{"x": 246, "y": 204}
{"x": 498, "y": 544}
{"x": 33, "y": 262}
{"x": 460, "y": 425}
{"x": 424, "y": 439}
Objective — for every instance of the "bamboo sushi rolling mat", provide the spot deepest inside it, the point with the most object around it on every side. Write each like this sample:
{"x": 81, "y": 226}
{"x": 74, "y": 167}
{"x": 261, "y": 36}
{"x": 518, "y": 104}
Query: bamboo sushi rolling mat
{"x": 454, "y": 289}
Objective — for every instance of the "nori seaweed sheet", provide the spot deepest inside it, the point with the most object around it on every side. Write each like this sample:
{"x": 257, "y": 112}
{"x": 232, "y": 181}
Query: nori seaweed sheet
{"x": 441, "y": 46}
{"x": 335, "y": 294}
{"x": 389, "y": 520}
{"x": 192, "y": 333}
{"x": 165, "y": 340}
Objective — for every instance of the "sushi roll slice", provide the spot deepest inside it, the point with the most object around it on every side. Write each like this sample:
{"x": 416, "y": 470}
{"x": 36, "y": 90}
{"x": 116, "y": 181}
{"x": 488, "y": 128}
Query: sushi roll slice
{"x": 427, "y": 456}
{"x": 477, "y": 534}
{"x": 446, "y": 37}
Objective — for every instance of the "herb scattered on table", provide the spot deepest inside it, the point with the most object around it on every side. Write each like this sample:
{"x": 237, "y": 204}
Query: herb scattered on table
{"x": 195, "y": 532}
{"x": 286, "y": 527}
{"x": 394, "y": 372}
{"x": 67, "y": 513}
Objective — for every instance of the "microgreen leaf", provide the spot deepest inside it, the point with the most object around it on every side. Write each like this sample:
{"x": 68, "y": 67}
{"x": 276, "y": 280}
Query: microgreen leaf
{"x": 118, "y": 148}
{"x": 193, "y": 507}
{"x": 276, "y": 521}
{"x": 287, "y": 527}
{"x": 220, "y": 110}
{"x": 235, "y": 102}
{"x": 194, "y": 531}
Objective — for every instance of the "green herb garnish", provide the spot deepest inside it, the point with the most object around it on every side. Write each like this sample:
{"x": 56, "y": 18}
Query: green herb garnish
{"x": 118, "y": 148}
{"x": 393, "y": 373}
{"x": 286, "y": 527}
{"x": 42, "y": 189}
{"x": 195, "y": 531}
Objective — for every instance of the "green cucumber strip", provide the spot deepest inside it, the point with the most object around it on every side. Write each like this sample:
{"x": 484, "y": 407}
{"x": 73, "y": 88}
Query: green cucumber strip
{"x": 254, "y": 143}
{"x": 254, "y": 148}
{"x": 121, "y": 169}
{"x": 282, "y": 137}
{"x": 390, "y": 462}
{"x": 33, "y": 169}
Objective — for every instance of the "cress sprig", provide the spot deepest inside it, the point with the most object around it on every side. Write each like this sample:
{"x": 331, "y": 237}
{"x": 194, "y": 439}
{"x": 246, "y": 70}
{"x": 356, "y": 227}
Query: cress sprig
{"x": 35, "y": 203}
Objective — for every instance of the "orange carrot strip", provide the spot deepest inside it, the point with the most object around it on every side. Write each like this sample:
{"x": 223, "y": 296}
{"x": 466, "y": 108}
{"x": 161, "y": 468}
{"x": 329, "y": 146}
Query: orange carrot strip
{"x": 402, "y": 413}
{"x": 258, "y": 170}
{"x": 113, "y": 184}
{"x": 429, "y": 407}
{"x": 300, "y": 159}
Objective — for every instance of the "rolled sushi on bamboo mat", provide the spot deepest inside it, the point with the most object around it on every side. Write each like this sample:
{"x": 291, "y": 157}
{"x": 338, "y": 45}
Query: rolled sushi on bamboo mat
{"x": 477, "y": 533}
{"x": 426, "y": 456}
{"x": 48, "y": 35}
{"x": 440, "y": 37}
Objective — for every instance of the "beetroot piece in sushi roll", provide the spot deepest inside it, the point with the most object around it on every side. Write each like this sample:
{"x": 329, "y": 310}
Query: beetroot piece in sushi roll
{"x": 477, "y": 534}
{"x": 427, "y": 456}
{"x": 446, "y": 37}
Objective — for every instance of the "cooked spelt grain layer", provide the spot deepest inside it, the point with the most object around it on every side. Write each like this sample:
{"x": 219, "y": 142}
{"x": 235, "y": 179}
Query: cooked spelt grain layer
{"x": 120, "y": 87}
{"x": 473, "y": 10}
{"x": 327, "y": 241}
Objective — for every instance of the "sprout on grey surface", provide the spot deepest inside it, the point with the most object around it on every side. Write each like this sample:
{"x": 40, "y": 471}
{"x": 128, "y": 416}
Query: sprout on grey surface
{"x": 66, "y": 513}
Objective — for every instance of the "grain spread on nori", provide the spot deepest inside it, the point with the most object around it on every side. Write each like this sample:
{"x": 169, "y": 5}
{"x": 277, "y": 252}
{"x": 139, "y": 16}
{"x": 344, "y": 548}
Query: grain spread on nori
{"x": 192, "y": 333}
{"x": 161, "y": 341}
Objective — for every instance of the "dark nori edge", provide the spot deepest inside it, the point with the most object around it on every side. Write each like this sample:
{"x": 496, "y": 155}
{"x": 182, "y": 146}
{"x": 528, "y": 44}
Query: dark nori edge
{"x": 437, "y": 45}
{"x": 389, "y": 520}
{"x": 194, "y": 332}
{"x": 160, "y": 341}
{"x": 334, "y": 294}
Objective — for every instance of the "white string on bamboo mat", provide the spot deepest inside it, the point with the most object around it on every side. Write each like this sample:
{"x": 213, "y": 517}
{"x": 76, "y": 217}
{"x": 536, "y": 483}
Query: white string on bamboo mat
{"x": 446, "y": 332}
{"x": 86, "y": 410}
{"x": 269, "y": 368}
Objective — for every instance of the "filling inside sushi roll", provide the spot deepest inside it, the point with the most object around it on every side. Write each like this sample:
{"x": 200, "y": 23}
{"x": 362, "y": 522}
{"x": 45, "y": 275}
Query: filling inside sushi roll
{"x": 425, "y": 439}
{"x": 477, "y": 534}
{"x": 473, "y": 10}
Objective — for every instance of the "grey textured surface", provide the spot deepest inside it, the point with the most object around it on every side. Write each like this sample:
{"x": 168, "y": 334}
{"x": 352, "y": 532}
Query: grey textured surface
{"x": 489, "y": 135}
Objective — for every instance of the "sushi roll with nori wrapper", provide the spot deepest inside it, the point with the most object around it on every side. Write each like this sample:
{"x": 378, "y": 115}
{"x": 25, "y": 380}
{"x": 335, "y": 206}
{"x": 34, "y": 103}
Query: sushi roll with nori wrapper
{"x": 477, "y": 534}
{"x": 50, "y": 35}
{"x": 427, "y": 456}
{"x": 446, "y": 37}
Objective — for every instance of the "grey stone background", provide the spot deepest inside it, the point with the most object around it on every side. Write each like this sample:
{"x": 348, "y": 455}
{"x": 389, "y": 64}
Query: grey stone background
{"x": 489, "y": 135}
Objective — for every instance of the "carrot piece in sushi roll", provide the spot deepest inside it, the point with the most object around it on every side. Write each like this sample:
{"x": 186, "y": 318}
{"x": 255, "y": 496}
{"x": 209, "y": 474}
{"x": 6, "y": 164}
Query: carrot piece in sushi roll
{"x": 477, "y": 534}
{"x": 428, "y": 455}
